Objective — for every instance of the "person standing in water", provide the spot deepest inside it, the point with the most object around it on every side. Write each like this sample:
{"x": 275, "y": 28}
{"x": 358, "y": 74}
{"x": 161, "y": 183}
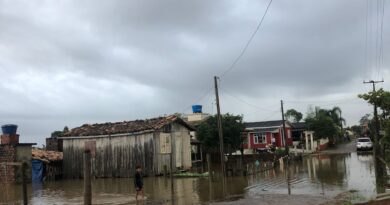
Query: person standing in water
{"x": 138, "y": 182}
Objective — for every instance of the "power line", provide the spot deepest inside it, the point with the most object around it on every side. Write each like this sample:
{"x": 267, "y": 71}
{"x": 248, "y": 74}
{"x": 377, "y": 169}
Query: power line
{"x": 366, "y": 38}
{"x": 271, "y": 115}
{"x": 381, "y": 39}
{"x": 248, "y": 42}
{"x": 243, "y": 101}
{"x": 239, "y": 56}
{"x": 377, "y": 37}
{"x": 198, "y": 99}
{"x": 323, "y": 101}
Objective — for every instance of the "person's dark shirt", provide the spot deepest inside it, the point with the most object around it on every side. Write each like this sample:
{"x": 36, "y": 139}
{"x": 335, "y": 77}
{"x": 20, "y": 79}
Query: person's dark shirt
{"x": 138, "y": 180}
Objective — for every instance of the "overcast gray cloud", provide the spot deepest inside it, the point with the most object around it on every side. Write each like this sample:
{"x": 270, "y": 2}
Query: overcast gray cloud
{"x": 74, "y": 62}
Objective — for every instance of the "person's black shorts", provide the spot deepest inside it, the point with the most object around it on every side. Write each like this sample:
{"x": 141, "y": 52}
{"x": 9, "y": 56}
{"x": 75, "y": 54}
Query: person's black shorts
{"x": 138, "y": 188}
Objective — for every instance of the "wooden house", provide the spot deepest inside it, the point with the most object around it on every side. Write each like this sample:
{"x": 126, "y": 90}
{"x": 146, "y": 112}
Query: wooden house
{"x": 117, "y": 148}
{"x": 46, "y": 165}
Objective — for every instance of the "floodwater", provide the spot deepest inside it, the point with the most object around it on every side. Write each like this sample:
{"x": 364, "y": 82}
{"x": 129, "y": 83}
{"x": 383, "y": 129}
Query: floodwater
{"x": 322, "y": 175}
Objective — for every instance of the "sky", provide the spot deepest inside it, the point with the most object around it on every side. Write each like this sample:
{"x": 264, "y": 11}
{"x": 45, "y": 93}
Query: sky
{"x": 67, "y": 63}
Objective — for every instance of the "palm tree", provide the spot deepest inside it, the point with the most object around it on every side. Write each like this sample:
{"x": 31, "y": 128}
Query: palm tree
{"x": 335, "y": 114}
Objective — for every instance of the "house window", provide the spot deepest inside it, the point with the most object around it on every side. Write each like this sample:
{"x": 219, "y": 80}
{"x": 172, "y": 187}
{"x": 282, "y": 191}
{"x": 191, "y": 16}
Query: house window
{"x": 263, "y": 138}
{"x": 259, "y": 138}
{"x": 256, "y": 138}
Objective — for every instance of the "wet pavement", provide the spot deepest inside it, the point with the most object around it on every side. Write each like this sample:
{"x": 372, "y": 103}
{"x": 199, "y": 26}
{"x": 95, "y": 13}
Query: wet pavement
{"x": 317, "y": 179}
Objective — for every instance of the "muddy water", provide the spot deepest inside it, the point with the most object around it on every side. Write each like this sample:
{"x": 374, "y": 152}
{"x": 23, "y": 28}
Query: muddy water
{"x": 322, "y": 176}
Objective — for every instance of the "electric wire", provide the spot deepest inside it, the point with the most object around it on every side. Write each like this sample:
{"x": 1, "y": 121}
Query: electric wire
{"x": 243, "y": 101}
{"x": 271, "y": 115}
{"x": 248, "y": 42}
{"x": 349, "y": 101}
{"x": 239, "y": 56}
{"x": 381, "y": 38}
{"x": 198, "y": 99}
{"x": 377, "y": 37}
{"x": 366, "y": 38}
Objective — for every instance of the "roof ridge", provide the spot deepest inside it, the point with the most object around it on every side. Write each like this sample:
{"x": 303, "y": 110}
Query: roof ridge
{"x": 120, "y": 127}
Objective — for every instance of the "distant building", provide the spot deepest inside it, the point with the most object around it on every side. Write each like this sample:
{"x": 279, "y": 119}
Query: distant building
{"x": 195, "y": 119}
{"x": 298, "y": 131}
{"x": 46, "y": 165}
{"x": 12, "y": 155}
{"x": 258, "y": 135}
{"x": 54, "y": 144}
{"x": 117, "y": 148}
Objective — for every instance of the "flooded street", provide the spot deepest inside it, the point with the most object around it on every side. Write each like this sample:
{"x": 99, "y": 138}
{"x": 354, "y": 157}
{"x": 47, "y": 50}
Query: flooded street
{"x": 321, "y": 177}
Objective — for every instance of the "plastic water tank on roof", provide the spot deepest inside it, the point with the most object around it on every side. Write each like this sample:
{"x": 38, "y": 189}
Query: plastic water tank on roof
{"x": 197, "y": 108}
{"x": 9, "y": 129}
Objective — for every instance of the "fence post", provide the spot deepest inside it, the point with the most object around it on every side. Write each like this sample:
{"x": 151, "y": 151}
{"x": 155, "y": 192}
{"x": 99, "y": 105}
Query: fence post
{"x": 87, "y": 178}
{"x": 24, "y": 183}
{"x": 209, "y": 164}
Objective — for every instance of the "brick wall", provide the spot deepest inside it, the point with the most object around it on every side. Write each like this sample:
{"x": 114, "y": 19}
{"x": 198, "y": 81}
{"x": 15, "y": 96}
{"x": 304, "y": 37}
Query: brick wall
{"x": 7, "y": 172}
{"x": 10, "y": 139}
{"x": 54, "y": 144}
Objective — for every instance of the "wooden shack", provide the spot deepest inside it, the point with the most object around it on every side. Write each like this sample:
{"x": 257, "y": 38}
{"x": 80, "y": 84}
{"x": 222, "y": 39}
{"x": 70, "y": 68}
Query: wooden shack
{"x": 47, "y": 165}
{"x": 117, "y": 148}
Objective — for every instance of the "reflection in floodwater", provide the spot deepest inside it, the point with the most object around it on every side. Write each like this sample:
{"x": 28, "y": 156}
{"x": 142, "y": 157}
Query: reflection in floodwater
{"x": 321, "y": 175}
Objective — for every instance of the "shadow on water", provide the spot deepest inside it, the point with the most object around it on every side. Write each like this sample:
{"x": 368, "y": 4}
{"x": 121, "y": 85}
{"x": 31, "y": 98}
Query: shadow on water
{"x": 321, "y": 175}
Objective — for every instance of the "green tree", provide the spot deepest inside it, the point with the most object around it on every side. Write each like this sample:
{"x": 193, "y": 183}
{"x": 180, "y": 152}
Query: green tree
{"x": 334, "y": 114}
{"x": 233, "y": 127}
{"x": 365, "y": 119}
{"x": 59, "y": 133}
{"x": 381, "y": 98}
{"x": 293, "y": 115}
{"x": 66, "y": 129}
{"x": 357, "y": 129}
{"x": 56, "y": 133}
{"x": 386, "y": 139}
{"x": 324, "y": 123}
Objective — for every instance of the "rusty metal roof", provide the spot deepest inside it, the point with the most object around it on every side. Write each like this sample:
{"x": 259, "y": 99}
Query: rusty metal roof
{"x": 110, "y": 128}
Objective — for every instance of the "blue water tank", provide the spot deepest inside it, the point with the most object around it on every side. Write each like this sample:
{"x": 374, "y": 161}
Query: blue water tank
{"x": 197, "y": 108}
{"x": 9, "y": 129}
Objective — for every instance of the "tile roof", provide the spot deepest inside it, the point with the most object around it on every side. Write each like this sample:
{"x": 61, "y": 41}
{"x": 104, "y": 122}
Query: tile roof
{"x": 46, "y": 156}
{"x": 109, "y": 128}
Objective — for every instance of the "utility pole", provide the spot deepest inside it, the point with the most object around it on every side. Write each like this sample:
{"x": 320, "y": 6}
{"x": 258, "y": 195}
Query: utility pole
{"x": 377, "y": 134}
{"x": 284, "y": 129}
{"x": 220, "y": 133}
{"x": 341, "y": 122}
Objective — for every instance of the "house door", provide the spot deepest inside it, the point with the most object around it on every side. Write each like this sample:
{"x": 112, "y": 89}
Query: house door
{"x": 179, "y": 150}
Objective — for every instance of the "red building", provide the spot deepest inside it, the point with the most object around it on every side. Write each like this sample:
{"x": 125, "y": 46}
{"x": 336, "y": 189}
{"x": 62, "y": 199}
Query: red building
{"x": 260, "y": 134}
